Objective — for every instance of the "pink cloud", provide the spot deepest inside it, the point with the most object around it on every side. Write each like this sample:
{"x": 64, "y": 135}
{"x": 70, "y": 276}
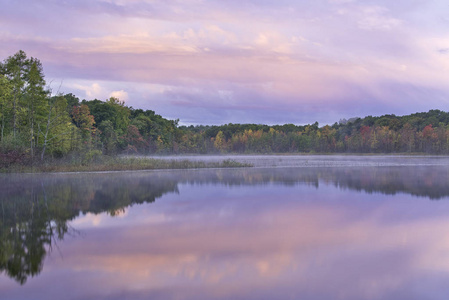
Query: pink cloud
{"x": 298, "y": 244}
{"x": 292, "y": 55}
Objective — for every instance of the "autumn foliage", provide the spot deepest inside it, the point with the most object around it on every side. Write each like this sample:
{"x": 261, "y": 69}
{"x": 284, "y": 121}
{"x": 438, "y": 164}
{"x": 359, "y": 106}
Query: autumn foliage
{"x": 32, "y": 122}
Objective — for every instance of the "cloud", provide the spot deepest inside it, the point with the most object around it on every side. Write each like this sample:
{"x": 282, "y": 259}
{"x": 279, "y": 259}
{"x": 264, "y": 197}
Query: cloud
{"x": 126, "y": 44}
{"x": 296, "y": 244}
{"x": 376, "y": 18}
{"x": 341, "y": 1}
{"x": 122, "y": 95}
{"x": 93, "y": 91}
{"x": 287, "y": 55}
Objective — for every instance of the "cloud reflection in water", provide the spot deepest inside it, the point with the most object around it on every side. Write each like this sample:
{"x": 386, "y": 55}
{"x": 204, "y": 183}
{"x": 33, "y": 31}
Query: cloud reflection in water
{"x": 307, "y": 236}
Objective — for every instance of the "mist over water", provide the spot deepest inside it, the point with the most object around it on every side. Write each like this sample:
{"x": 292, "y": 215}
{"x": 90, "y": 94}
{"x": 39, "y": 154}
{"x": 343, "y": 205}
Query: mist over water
{"x": 320, "y": 160}
{"x": 311, "y": 227}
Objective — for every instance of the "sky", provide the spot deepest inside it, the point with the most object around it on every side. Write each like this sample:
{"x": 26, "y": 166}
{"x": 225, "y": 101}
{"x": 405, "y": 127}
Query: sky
{"x": 215, "y": 62}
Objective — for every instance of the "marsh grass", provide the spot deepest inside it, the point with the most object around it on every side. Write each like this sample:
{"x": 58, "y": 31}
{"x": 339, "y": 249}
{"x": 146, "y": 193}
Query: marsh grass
{"x": 107, "y": 163}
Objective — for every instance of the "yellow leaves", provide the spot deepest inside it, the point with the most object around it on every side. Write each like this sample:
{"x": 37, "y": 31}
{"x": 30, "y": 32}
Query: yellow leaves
{"x": 220, "y": 141}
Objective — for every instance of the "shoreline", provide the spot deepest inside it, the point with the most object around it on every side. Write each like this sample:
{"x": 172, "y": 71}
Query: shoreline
{"x": 209, "y": 161}
{"x": 119, "y": 164}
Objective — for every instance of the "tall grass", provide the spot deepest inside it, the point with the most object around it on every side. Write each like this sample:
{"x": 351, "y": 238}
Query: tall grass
{"x": 107, "y": 163}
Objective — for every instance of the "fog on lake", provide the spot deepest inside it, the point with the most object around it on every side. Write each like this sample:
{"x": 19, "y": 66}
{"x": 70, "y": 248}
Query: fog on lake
{"x": 292, "y": 227}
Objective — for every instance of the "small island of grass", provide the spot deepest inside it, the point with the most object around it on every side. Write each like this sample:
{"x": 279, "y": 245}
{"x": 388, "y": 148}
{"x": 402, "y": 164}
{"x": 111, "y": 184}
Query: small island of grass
{"x": 107, "y": 163}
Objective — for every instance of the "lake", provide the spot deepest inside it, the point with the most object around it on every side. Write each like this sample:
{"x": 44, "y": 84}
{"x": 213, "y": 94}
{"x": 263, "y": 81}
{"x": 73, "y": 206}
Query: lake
{"x": 291, "y": 227}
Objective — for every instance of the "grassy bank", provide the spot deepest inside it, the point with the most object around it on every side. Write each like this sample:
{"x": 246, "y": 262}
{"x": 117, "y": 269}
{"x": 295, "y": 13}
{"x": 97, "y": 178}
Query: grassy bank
{"x": 105, "y": 163}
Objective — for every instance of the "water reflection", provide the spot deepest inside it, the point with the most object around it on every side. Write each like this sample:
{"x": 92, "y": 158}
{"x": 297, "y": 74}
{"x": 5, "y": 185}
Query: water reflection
{"x": 241, "y": 234}
{"x": 36, "y": 209}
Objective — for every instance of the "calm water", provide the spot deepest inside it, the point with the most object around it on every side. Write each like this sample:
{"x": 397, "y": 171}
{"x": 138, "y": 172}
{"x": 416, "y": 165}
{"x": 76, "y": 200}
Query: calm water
{"x": 330, "y": 231}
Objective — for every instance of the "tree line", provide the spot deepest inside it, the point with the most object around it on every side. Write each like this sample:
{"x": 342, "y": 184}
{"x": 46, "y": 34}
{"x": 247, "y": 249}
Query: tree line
{"x": 416, "y": 133}
{"x": 37, "y": 123}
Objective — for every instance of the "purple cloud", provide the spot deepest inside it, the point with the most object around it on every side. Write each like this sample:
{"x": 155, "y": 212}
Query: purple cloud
{"x": 275, "y": 61}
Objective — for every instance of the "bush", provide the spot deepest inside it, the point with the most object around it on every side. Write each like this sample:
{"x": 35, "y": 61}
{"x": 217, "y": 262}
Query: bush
{"x": 91, "y": 156}
{"x": 13, "y": 152}
{"x": 9, "y": 143}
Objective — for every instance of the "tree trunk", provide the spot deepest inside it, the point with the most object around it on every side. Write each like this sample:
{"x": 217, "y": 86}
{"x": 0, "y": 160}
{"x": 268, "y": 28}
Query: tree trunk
{"x": 46, "y": 133}
{"x": 14, "y": 113}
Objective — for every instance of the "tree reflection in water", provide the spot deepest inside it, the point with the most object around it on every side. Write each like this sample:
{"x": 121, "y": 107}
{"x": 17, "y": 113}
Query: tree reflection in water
{"x": 36, "y": 209}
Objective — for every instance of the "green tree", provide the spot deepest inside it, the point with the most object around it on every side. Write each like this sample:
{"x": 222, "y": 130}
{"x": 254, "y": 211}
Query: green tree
{"x": 85, "y": 123}
{"x": 58, "y": 126}
{"x": 72, "y": 101}
{"x": 5, "y": 107}
{"x": 108, "y": 137}
{"x": 35, "y": 101}
{"x": 100, "y": 110}
{"x": 120, "y": 116}
{"x": 15, "y": 68}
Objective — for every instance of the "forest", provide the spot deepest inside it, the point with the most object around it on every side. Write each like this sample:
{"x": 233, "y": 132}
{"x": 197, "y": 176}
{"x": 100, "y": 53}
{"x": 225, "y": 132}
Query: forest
{"x": 37, "y": 124}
